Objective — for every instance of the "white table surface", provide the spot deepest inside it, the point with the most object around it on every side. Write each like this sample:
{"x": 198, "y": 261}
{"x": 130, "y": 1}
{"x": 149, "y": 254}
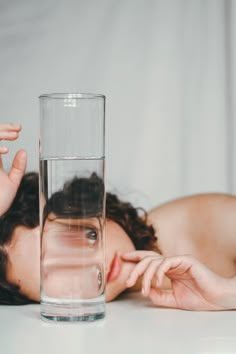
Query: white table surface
{"x": 132, "y": 325}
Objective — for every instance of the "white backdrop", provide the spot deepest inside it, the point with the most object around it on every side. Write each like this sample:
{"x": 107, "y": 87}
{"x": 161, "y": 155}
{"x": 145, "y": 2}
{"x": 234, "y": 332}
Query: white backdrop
{"x": 166, "y": 67}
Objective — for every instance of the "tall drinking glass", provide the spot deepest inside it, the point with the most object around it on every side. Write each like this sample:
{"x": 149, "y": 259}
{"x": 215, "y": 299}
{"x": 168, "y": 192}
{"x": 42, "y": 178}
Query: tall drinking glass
{"x": 72, "y": 206}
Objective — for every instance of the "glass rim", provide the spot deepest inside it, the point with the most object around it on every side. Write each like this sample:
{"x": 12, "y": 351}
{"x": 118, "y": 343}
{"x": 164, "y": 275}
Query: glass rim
{"x": 72, "y": 95}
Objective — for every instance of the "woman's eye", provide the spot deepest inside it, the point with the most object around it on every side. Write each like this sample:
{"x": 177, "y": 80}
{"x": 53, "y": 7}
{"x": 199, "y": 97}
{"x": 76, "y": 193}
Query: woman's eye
{"x": 91, "y": 236}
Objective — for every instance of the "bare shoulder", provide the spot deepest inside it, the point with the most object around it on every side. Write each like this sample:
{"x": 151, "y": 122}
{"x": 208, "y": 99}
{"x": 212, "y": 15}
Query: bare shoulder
{"x": 198, "y": 203}
{"x": 200, "y": 221}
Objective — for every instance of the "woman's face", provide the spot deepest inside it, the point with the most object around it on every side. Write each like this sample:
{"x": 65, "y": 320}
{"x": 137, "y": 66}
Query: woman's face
{"x": 24, "y": 260}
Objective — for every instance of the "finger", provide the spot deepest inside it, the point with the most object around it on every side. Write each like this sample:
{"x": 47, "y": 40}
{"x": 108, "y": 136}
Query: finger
{"x": 139, "y": 270}
{"x": 10, "y": 127}
{"x": 137, "y": 256}
{"x": 171, "y": 266}
{"x": 149, "y": 275}
{"x": 9, "y": 135}
{"x": 3, "y": 150}
{"x": 163, "y": 298}
{"x": 18, "y": 167}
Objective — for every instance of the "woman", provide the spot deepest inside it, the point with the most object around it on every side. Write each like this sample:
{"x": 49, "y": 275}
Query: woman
{"x": 200, "y": 225}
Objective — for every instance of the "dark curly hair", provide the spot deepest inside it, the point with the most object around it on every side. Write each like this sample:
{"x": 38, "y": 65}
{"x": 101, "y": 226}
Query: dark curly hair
{"x": 85, "y": 192}
{"x": 24, "y": 211}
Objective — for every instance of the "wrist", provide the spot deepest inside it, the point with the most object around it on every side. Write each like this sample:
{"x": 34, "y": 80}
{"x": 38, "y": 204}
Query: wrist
{"x": 228, "y": 298}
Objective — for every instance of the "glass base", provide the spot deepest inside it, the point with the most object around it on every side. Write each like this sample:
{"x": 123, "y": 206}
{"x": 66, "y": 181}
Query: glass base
{"x": 85, "y": 318}
{"x": 82, "y": 311}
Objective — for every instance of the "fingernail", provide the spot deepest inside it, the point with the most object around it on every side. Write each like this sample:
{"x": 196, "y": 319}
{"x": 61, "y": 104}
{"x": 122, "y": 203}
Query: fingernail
{"x": 15, "y": 126}
{"x": 129, "y": 282}
{"x": 143, "y": 291}
{"x": 125, "y": 254}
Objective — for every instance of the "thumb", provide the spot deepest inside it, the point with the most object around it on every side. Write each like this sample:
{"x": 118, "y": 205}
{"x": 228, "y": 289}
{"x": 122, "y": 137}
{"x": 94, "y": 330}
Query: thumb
{"x": 163, "y": 298}
{"x": 18, "y": 167}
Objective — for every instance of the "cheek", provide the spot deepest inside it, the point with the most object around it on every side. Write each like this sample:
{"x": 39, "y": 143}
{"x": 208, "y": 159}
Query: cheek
{"x": 27, "y": 269}
{"x": 120, "y": 243}
{"x": 26, "y": 274}
{"x": 113, "y": 289}
{"x": 30, "y": 273}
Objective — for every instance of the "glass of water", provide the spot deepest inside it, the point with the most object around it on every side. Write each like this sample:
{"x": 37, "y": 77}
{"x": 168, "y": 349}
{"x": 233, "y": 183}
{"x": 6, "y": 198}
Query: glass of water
{"x": 72, "y": 206}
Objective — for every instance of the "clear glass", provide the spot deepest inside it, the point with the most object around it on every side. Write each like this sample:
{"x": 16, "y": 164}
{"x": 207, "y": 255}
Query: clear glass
{"x": 72, "y": 206}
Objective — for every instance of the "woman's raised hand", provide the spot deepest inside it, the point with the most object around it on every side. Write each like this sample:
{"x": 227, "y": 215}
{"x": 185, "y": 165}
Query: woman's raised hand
{"x": 9, "y": 182}
{"x": 194, "y": 286}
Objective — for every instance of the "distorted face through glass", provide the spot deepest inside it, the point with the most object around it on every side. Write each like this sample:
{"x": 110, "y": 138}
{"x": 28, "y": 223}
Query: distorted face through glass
{"x": 72, "y": 246}
{"x": 71, "y": 255}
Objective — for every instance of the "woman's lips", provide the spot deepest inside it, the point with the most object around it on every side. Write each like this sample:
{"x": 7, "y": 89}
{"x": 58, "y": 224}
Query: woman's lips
{"x": 114, "y": 269}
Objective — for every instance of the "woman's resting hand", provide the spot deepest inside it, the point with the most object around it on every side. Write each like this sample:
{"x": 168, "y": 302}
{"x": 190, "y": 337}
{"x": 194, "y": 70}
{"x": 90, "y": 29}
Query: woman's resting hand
{"x": 9, "y": 182}
{"x": 194, "y": 286}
